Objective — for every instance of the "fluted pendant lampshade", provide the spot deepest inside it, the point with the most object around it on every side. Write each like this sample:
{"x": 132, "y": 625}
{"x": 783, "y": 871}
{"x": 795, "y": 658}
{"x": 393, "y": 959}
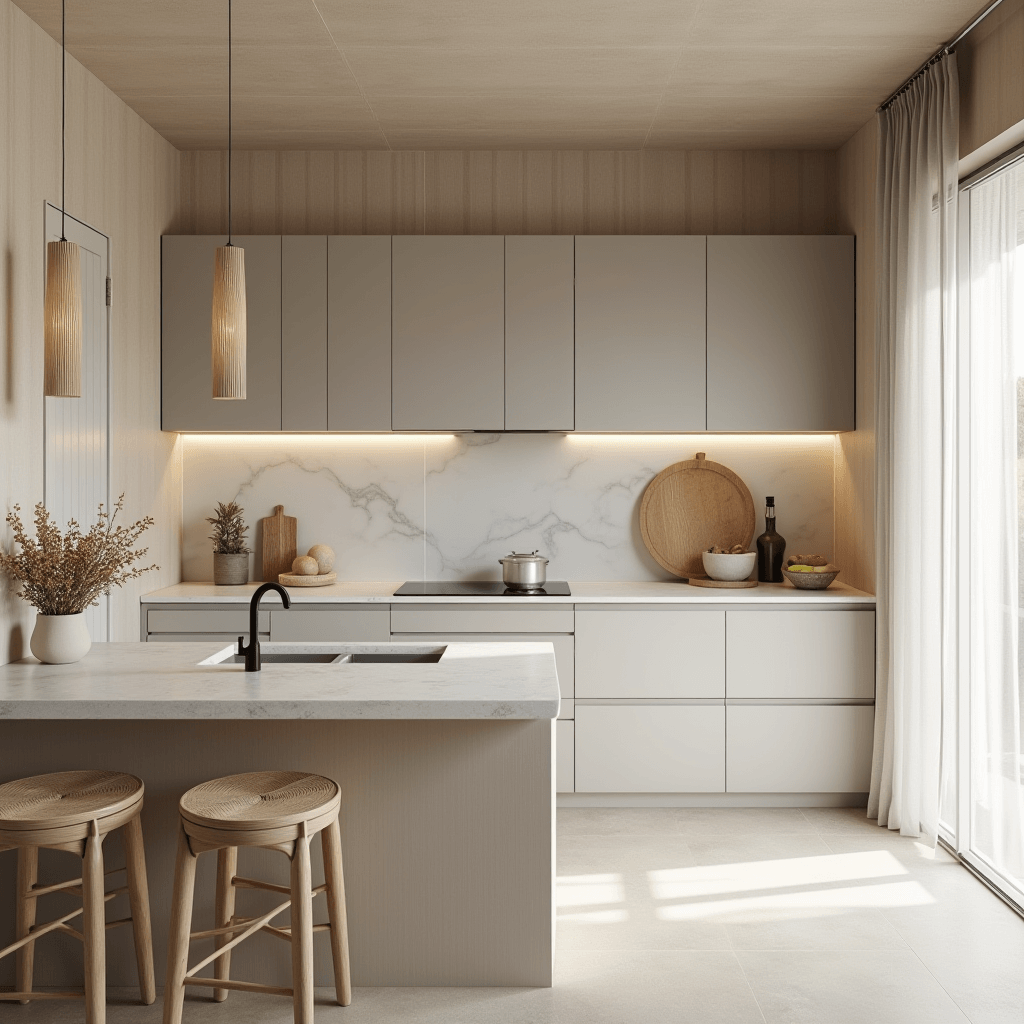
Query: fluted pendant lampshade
{"x": 62, "y": 321}
{"x": 229, "y": 322}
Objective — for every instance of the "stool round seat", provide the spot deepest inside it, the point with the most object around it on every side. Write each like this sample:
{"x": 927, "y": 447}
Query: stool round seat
{"x": 260, "y": 800}
{"x": 66, "y": 798}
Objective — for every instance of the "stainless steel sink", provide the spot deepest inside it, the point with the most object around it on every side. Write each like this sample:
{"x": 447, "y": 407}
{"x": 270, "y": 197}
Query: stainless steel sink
{"x": 332, "y": 654}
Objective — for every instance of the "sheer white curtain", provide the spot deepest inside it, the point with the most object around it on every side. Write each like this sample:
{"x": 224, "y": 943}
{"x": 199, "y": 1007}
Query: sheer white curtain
{"x": 915, "y": 336}
{"x": 996, "y": 389}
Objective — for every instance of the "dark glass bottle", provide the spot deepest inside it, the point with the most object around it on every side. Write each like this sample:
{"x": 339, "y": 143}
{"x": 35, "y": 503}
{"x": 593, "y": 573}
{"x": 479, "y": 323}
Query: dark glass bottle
{"x": 771, "y": 547}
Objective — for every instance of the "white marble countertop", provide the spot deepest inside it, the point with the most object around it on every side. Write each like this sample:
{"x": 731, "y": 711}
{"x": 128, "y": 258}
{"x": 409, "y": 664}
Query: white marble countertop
{"x": 649, "y": 592}
{"x": 165, "y": 680}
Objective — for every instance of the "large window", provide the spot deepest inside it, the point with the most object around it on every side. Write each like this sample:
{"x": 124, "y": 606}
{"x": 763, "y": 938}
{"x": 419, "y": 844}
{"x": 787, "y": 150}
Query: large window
{"x": 983, "y": 801}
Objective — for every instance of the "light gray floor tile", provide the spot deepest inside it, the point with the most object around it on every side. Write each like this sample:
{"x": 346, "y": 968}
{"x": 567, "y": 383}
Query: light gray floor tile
{"x": 759, "y": 821}
{"x": 850, "y": 987}
{"x": 620, "y": 821}
{"x": 840, "y": 819}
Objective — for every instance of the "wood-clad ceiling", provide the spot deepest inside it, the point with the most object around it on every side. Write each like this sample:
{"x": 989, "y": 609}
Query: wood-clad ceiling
{"x": 506, "y": 74}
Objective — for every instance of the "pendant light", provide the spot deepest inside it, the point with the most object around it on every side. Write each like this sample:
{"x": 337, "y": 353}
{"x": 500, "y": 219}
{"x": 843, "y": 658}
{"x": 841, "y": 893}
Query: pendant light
{"x": 62, "y": 306}
{"x": 228, "y": 334}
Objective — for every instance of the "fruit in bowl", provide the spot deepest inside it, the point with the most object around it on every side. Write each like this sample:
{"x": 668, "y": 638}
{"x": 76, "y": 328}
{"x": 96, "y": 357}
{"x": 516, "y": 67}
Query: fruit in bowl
{"x": 809, "y": 572}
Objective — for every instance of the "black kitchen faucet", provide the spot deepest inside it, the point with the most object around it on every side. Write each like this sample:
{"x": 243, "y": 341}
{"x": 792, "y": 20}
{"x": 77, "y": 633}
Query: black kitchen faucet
{"x": 252, "y": 651}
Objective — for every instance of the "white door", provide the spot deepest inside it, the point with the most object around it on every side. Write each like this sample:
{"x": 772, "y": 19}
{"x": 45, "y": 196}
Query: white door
{"x": 77, "y": 430}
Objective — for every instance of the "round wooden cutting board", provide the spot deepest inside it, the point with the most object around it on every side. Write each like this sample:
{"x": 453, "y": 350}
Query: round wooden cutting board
{"x": 690, "y": 507}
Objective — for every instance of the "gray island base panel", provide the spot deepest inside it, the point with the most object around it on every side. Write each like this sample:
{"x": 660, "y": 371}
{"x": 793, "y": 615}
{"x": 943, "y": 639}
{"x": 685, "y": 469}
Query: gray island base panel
{"x": 447, "y": 823}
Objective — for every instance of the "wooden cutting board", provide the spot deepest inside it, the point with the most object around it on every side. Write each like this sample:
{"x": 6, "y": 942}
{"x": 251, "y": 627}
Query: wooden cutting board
{"x": 690, "y": 507}
{"x": 278, "y": 544}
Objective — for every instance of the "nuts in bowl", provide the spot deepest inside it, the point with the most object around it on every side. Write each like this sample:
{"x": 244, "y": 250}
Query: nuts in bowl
{"x": 727, "y": 566}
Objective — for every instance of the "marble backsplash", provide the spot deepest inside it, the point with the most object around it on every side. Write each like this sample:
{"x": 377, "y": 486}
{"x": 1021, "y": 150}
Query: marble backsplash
{"x": 397, "y": 507}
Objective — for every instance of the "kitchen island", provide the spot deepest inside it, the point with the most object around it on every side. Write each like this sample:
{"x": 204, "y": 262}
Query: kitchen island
{"x": 445, "y": 766}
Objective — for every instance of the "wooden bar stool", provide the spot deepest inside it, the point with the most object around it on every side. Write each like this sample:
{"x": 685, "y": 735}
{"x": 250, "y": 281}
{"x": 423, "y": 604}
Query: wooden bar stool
{"x": 74, "y": 811}
{"x": 276, "y": 810}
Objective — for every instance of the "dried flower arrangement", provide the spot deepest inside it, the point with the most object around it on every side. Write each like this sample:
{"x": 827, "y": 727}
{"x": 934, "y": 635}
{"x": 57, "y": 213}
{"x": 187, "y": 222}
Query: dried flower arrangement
{"x": 65, "y": 573}
{"x": 229, "y": 529}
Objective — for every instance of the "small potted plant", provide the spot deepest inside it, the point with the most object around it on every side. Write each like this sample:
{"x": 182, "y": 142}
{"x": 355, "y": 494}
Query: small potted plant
{"x": 230, "y": 555}
{"x": 62, "y": 574}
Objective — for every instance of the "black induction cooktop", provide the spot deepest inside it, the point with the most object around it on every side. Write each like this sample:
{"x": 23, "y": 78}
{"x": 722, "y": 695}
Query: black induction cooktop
{"x": 477, "y": 588}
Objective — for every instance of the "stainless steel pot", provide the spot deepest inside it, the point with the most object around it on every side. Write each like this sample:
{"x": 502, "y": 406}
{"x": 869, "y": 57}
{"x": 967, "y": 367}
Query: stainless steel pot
{"x": 524, "y": 572}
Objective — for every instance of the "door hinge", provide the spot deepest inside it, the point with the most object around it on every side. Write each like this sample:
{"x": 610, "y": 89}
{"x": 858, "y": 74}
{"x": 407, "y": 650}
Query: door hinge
{"x": 108, "y": 291}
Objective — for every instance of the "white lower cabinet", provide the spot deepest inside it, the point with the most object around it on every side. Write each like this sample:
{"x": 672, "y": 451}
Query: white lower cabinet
{"x": 650, "y": 748}
{"x": 565, "y": 757}
{"x": 353, "y": 624}
{"x": 799, "y": 748}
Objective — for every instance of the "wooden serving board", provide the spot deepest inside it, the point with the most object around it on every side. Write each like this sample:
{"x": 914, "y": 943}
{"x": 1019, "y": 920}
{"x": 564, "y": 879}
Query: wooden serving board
{"x": 696, "y": 581}
{"x": 288, "y": 579}
{"x": 279, "y": 533}
{"x": 689, "y": 508}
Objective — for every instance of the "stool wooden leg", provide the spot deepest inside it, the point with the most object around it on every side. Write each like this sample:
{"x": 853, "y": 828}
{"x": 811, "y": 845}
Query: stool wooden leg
{"x": 227, "y": 868}
{"x": 181, "y": 926}
{"x": 94, "y": 928}
{"x": 25, "y": 914}
{"x": 330, "y": 841}
{"x": 302, "y": 932}
{"x": 138, "y": 895}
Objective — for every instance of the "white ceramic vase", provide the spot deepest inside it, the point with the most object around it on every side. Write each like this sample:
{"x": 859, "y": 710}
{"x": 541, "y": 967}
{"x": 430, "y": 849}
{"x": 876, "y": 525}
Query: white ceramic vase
{"x": 60, "y": 639}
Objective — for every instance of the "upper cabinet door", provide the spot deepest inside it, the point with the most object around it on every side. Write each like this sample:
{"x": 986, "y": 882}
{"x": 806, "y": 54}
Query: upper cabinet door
{"x": 448, "y": 332}
{"x": 780, "y": 332}
{"x": 187, "y": 301}
{"x": 304, "y": 332}
{"x": 359, "y": 332}
{"x": 539, "y": 353}
{"x": 640, "y": 332}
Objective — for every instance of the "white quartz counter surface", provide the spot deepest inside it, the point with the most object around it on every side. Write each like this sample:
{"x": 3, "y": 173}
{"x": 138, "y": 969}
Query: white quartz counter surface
{"x": 650, "y": 592}
{"x": 164, "y": 680}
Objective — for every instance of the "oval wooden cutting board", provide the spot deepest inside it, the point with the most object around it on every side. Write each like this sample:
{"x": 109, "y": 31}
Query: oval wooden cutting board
{"x": 690, "y": 507}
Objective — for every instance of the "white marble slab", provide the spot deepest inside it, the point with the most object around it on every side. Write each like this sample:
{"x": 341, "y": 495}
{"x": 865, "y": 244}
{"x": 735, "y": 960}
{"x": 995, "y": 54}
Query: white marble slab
{"x": 583, "y": 593}
{"x": 449, "y": 506}
{"x": 165, "y": 681}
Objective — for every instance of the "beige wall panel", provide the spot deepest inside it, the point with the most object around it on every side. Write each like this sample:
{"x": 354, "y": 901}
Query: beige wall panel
{"x": 855, "y": 451}
{"x": 991, "y": 66}
{"x": 513, "y": 192}
{"x": 446, "y": 831}
{"x": 123, "y": 179}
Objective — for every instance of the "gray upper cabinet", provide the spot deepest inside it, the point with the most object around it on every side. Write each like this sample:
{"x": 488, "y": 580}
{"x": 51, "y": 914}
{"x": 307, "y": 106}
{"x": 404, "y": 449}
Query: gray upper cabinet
{"x": 304, "y": 332}
{"x": 187, "y": 310}
{"x": 359, "y": 332}
{"x": 539, "y": 353}
{"x": 448, "y": 332}
{"x": 781, "y": 332}
{"x": 640, "y": 332}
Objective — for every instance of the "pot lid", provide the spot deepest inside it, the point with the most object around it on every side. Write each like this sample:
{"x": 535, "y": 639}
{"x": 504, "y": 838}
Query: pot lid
{"x": 531, "y": 557}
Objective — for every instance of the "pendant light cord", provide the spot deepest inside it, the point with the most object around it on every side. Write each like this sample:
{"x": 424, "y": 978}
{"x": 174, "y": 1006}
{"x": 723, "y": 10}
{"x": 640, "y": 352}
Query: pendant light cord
{"x": 63, "y": 101}
{"x": 229, "y": 121}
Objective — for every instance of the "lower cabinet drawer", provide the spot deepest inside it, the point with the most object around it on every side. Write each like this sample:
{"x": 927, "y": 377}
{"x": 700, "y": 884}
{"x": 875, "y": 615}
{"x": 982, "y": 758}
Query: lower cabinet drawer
{"x": 352, "y": 624}
{"x": 565, "y": 756}
{"x": 799, "y": 749}
{"x": 209, "y": 620}
{"x": 652, "y": 748}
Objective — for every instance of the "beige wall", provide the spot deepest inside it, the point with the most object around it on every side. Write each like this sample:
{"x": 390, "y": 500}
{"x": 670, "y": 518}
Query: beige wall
{"x": 123, "y": 180}
{"x": 513, "y": 192}
{"x": 991, "y": 66}
{"x": 855, "y": 451}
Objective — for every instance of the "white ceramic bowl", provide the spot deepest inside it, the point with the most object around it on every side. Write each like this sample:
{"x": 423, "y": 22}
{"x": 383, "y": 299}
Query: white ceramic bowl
{"x": 729, "y": 567}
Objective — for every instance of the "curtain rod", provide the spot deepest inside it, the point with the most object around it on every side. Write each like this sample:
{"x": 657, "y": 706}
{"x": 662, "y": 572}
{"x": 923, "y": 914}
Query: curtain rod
{"x": 941, "y": 52}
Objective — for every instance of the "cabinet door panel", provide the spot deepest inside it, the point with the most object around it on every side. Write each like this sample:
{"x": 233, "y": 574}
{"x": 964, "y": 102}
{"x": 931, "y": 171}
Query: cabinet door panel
{"x": 304, "y": 332}
{"x": 564, "y": 757}
{"x": 810, "y": 654}
{"x": 448, "y": 332}
{"x": 453, "y": 618}
{"x": 650, "y": 749}
{"x": 780, "y": 332}
{"x": 351, "y": 624}
{"x": 802, "y": 749}
{"x": 359, "y": 332}
{"x": 640, "y": 332}
{"x": 186, "y": 316}
{"x": 207, "y": 620}
{"x": 650, "y": 654}
{"x": 539, "y": 332}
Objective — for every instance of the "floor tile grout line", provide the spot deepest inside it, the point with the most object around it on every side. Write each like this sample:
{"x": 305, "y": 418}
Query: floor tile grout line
{"x": 753, "y": 994}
